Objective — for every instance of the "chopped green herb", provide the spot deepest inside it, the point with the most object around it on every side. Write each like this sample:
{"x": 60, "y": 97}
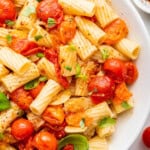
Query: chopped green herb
{"x": 51, "y": 22}
{"x": 78, "y": 69}
{"x": 9, "y": 23}
{"x": 40, "y": 55}
{"x": 1, "y": 136}
{"x": 105, "y": 122}
{"x": 43, "y": 79}
{"x": 82, "y": 123}
{"x": 72, "y": 47}
{"x": 38, "y": 37}
{"x": 9, "y": 38}
{"x": 105, "y": 54}
{"x": 125, "y": 105}
{"x": 82, "y": 76}
{"x": 68, "y": 68}
{"x": 4, "y": 102}
{"x": 29, "y": 10}
{"x": 32, "y": 84}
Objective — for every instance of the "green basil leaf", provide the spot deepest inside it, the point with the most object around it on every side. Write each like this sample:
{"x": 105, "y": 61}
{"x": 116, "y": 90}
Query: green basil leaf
{"x": 40, "y": 55}
{"x": 79, "y": 142}
{"x": 10, "y": 23}
{"x": 68, "y": 68}
{"x": 4, "y": 102}
{"x": 105, "y": 54}
{"x": 82, "y": 123}
{"x": 105, "y": 122}
{"x": 125, "y": 105}
{"x": 38, "y": 37}
{"x": 29, "y": 10}
{"x": 43, "y": 79}
{"x": 32, "y": 84}
{"x": 51, "y": 22}
{"x": 9, "y": 38}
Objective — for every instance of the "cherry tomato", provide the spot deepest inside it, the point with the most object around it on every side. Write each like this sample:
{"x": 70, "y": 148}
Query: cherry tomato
{"x": 102, "y": 88}
{"x": 50, "y": 9}
{"x": 68, "y": 147}
{"x": 132, "y": 73}
{"x": 115, "y": 69}
{"x": 7, "y": 10}
{"x": 146, "y": 137}
{"x": 44, "y": 140}
{"x": 116, "y": 31}
{"x": 22, "y": 129}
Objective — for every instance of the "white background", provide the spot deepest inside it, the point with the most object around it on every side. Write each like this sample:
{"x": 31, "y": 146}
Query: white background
{"x": 138, "y": 145}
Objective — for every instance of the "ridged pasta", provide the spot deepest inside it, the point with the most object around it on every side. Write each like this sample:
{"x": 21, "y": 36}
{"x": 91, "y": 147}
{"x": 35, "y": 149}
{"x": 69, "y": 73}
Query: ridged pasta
{"x": 70, "y": 129}
{"x": 19, "y": 3}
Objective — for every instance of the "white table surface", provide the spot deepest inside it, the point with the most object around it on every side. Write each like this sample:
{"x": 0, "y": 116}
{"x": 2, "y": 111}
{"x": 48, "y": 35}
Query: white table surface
{"x": 138, "y": 145}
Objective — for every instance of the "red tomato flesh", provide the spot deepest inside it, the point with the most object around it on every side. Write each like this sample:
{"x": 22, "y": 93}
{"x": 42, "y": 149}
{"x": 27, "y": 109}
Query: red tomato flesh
{"x": 146, "y": 137}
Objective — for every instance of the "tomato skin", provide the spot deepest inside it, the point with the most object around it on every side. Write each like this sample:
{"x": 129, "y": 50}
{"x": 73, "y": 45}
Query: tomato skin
{"x": 102, "y": 88}
{"x": 132, "y": 73}
{"x": 115, "y": 69}
{"x": 7, "y": 10}
{"x": 44, "y": 140}
{"x": 50, "y": 9}
{"x": 22, "y": 129}
{"x": 68, "y": 147}
{"x": 146, "y": 137}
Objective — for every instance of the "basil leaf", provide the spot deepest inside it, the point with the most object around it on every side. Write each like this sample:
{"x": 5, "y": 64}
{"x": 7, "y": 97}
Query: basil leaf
{"x": 68, "y": 68}
{"x": 43, "y": 79}
{"x": 32, "y": 84}
{"x": 9, "y": 38}
{"x": 38, "y": 37}
{"x": 125, "y": 105}
{"x": 40, "y": 55}
{"x": 105, "y": 122}
{"x": 79, "y": 142}
{"x": 105, "y": 54}
{"x": 82, "y": 123}
{"x": 29, "y": 10}
{"x": 51, "y": 22}
{"x": 4, "y": 102}
{"x": 9, "y": 23}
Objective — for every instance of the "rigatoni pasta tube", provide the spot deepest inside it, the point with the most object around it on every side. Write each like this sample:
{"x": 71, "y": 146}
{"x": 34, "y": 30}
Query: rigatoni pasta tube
{"x": 45, "y": 97}
{"x": 19, "y": 3}
{"x": 84, "y": 47}
{"x": 78, "y": 7}
{"x": 90, "y": 30}
{"x": 129, "y": 48}
{"x": 3, "y": 71}
{"x": 14, "y": 61}
{"x": 14, "y": 81}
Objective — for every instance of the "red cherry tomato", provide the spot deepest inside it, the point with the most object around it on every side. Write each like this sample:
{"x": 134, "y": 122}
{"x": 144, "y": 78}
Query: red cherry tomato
{"x": 22, "y": 129}
{"x": 44, "y": 140}
{"x": 50, "y": 9}
{"x": 115, "y": 69}
{"x": 132, "y": 72}
{"x": 7, "y": 10}
{"x": 102, "y": 89}
{"x": 146, "y": 137}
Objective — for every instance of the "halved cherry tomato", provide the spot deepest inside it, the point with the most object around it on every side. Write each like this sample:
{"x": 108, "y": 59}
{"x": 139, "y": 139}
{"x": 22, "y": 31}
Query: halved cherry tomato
{"x": 115, "y": 69}
{"x": 22, "y": 129}
{"x": 22, "y": 45}
{"x": 132, "y": 73}
{"x": 22, "y": 98}
{"x": 146, "y": 137}
{"x": 50, "y": 9}
{"x": 68, "y": 147}
{"x": 44, "y": 140}
{"x": 54, "y": 115}
{"x": 102, "y": 88}
{"x": 115, "y": 31}
{"x": 7, "y": 10}
{"x": 67, "y": 29}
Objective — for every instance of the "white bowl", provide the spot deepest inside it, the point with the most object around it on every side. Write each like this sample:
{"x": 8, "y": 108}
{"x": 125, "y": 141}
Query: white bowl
{"x": 143, "y": 5}
{"x": 130, "y": 124}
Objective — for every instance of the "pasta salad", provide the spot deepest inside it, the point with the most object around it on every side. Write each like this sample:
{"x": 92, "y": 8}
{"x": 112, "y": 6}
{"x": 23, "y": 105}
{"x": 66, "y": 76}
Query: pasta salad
{"x": 65, "y": 71}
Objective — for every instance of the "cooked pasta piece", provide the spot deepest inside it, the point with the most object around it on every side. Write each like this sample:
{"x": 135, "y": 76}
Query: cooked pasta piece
{"x": 68, "y": 60}
{"x": 46, "y": 95}
{"x": 2, "y": 88}
{"x": 61, "y": 98}
{"x": 27, "y": 17}
{"x": 47, "y": 68}
{"x": 98, "y": 112}
{"x": 129, "y": 48}
{"x": 78, "y": 7}
{"x": 19, "y": 3}
{"x": 14, "y": 61}
{"x": 13, "y": 81}
{"x": 106, "y": 52}
{"x": 70, "y": 129}
{"x": 8, "y": 116}
{"x": 45, "y": 40}
{"x": 84, "y": 47}
{"x": 104, "y": 13}
{"x": 97, "y": 143}
{"x": 90, "y": 30}
{"x": 81, "y": 85}
{"x": 3, "y": 71}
